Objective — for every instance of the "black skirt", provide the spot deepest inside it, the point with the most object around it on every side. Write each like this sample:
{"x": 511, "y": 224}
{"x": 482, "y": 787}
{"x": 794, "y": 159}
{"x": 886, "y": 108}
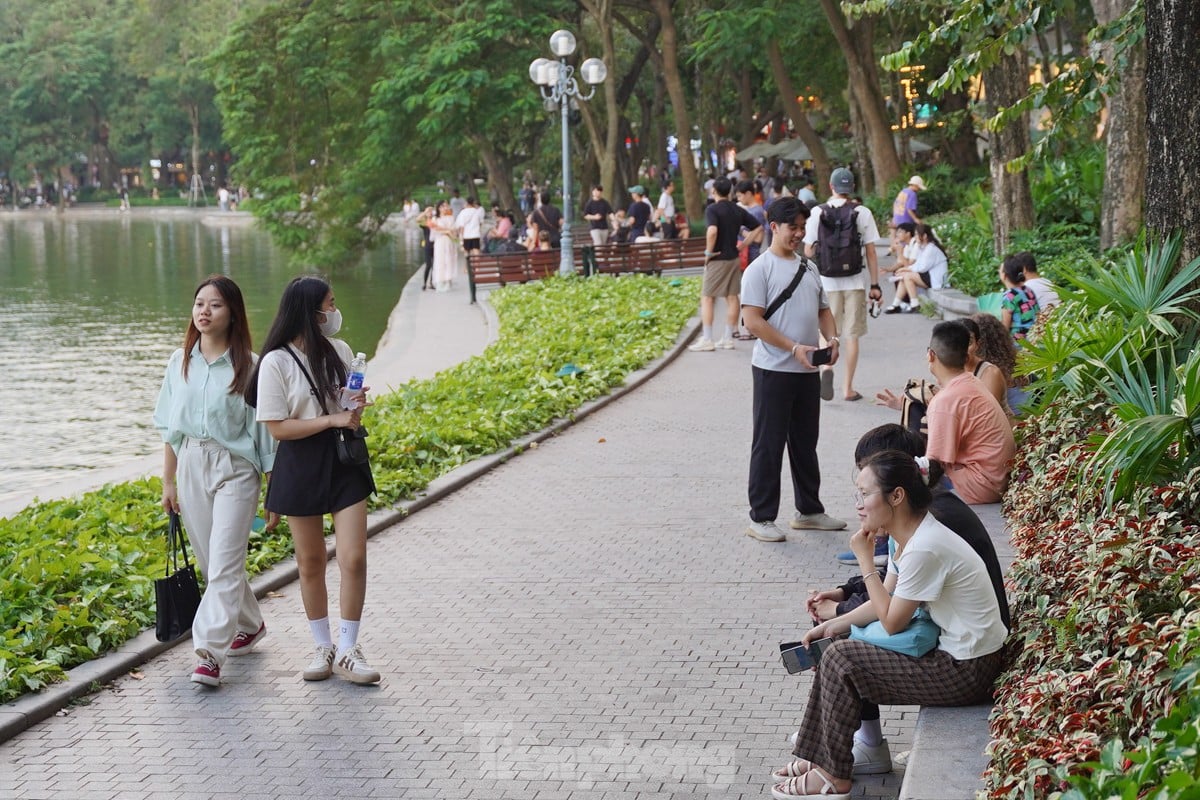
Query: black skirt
{"x": 308, "y": 480}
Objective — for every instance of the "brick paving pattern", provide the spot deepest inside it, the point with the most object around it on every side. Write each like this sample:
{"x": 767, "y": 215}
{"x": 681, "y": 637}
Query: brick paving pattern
{"x": 587, "y": 621}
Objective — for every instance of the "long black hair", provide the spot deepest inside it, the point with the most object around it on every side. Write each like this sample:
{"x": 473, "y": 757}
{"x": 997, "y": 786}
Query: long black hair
{"x": 240, "y": 351}
{"x": 297, "y": 319}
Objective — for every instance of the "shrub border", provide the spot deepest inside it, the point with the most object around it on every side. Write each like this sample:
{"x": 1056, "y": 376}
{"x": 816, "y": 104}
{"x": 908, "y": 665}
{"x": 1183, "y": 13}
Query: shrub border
{"x": 32, "y": 708}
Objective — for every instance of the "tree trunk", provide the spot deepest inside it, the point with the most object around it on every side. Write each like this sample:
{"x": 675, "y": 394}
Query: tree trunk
{"x": 959, "y": 141}
{"x": 795, "y": 112}
{"x": 194, "y": 118}
{"x": 499, "y": 170}
{"x": 692, "y": 197}
{"x": 1173, "y": 127}
{"x": 856, "y": 44}
{"x": 1123, "y": 199}
{"x": 1012, "y": 203}
{"x": 606, "y": 149}
{"x": 862, "y": 145}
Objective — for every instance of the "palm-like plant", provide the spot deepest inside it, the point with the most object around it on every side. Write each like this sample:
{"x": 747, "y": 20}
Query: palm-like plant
{"x": 1130, "y": 334}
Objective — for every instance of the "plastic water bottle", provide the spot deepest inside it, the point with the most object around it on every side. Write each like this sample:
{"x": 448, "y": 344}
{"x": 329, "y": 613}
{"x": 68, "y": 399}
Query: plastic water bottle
{"x": 354, "y": 383}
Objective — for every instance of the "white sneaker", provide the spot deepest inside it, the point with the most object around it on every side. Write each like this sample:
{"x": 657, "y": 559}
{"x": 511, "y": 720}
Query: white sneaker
{"x": 724, "y": 344}
{"x": 321, "y": 666}
{"x": 765, "y": 532}
{"x": 816, "y": 522}
{"x": 872, "y": 760}
{"x": 703, "y": 346}
{"x": 352, "y": 665}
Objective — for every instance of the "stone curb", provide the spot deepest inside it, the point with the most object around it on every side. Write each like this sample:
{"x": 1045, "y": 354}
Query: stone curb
{"x": 31, "y": 709}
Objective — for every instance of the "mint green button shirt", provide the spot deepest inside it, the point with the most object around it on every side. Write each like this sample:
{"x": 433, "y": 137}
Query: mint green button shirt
{"x": 201, "y": 407}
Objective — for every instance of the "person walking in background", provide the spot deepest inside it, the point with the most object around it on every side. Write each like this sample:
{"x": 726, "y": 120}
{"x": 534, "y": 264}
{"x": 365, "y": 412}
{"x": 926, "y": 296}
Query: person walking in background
{"x": 786, "y": 308}
{"x": 904, "y": 208}
{"x": 665, "y": 212}
{"x": 297, "y": 382}
{"x": 722, "y": 272}
{"x": 469, "y": 224}
{"x": 842, "y": 232}
{"x": 423, "y": 219}
{"x": 214, "y": 457}
{"x": 548, "y": 218}
{"x": 445, "y": 252}
{"x": 597, "y": 212}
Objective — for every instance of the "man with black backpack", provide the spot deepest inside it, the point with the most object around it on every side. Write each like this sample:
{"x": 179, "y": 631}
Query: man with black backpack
{"x": 840, "y": 236}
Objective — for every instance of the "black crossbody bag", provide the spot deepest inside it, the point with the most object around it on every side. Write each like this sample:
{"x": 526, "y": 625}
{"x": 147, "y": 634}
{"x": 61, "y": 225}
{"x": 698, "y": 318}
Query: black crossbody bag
{"x": 351, "y": 442}
{"x": 786, "y": 294}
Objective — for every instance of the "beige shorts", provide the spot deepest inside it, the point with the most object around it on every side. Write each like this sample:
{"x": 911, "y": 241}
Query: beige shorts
{"x": 722, "y": 278}
{"x": 849, "y": 309}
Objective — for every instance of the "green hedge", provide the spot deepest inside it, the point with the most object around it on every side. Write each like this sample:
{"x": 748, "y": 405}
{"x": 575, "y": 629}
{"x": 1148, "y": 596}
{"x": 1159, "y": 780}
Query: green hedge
{"x": 77, "y": 575}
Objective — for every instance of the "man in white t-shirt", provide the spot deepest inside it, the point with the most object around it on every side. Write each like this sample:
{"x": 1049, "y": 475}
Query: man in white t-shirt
{"x": 1043, "y": 291}
{"x": 470, "y": 224}
{"x": 847, "y": 295}
{"x": 787, "y": 399}
{"x": 665, "y": 213}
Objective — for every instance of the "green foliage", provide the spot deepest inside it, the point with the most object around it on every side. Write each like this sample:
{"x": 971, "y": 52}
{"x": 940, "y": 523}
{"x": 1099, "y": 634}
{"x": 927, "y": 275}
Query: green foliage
{"x": 483, "y": 404}
{"x": 1163, "y": 765}
{"x": 76, "y": 575}
{"x": 1104, "y": 606}
{"x": 1067, "y": 190}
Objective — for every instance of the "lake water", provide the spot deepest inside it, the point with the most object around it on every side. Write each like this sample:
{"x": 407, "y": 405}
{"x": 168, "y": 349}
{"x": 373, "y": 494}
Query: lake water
{"x": 92, "y": 305}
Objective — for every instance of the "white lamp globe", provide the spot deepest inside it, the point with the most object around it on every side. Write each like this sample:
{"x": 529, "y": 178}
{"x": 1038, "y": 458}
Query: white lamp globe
{"x": 535, "y": 70}
{"x": 548, "y": 73}
{"x": 594, "y": 71}
{"x": 562, "y": 43}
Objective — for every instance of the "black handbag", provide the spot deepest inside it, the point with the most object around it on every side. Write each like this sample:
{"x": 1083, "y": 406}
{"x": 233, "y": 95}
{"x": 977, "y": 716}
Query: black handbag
{"x": 352, "y": 446}
{"x": 177, "y": 593}
{"x": 351, "y": 442}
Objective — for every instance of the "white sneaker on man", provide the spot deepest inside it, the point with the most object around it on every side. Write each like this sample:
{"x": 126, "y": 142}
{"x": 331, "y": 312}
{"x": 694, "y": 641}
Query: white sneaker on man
{"x": 724, "y": 344}
{"x": 765, "y": 532}
{"x": 816, "y": 522}
{"x": 702, "y": 346}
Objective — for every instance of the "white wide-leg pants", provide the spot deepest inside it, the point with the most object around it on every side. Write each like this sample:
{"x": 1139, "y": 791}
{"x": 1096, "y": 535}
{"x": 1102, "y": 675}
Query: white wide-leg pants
{"x": 218, "y": 497}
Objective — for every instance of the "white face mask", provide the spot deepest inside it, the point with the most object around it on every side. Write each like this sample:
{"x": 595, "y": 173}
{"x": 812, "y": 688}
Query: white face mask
{"x": 332, "y": 323}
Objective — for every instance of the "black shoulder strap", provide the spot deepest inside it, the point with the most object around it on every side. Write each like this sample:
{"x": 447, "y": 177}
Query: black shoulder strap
{"x": 300, "y": 364}
{"x": 786, "y": 294}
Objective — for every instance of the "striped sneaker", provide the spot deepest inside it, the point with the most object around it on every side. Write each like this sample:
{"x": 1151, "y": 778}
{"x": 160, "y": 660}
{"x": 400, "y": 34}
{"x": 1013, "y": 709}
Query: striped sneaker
{"x": 352, "y": 665}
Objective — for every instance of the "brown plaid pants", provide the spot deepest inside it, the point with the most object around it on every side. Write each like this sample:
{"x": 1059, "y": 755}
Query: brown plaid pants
{"x": 853, "y": 672}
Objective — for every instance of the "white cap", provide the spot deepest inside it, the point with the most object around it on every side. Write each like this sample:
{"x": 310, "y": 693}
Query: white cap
{"x": 916, "y": 181}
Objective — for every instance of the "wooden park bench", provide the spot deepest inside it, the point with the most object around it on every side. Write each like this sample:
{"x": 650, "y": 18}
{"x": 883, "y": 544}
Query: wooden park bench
{"x": 613, "y": 259}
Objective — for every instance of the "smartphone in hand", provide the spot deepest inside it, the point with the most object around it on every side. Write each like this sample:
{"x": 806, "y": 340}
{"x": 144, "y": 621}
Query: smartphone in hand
{"x": 820, "y": 357}
{"x": 797, "y": 658}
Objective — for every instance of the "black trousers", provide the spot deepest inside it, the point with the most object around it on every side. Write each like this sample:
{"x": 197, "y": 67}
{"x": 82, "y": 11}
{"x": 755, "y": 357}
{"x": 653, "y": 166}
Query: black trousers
{"x": 787, "y": 412}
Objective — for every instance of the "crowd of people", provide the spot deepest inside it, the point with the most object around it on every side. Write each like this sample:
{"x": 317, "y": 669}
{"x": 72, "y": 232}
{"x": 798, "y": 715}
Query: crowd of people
{"x": 925, "y": 621}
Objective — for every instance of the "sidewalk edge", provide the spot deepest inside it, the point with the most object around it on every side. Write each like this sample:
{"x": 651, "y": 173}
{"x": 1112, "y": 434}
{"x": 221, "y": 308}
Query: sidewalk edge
{"x": 28, "y": 710}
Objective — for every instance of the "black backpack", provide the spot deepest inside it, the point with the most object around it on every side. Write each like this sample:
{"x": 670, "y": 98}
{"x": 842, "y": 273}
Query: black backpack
{"x": 839, "y": 246}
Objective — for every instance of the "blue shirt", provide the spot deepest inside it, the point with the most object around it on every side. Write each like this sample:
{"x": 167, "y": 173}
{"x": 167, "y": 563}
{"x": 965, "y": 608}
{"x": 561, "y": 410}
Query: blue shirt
{"x": 201, "y": 407}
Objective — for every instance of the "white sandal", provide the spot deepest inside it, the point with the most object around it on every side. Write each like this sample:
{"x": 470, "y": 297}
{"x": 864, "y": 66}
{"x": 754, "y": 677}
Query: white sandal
{"x": 793, "y": 770}
{"x": 787, "y": 790}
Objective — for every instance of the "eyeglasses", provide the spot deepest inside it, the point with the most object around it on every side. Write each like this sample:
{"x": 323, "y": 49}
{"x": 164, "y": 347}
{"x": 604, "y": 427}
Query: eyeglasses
{"x": 860, "y": 497}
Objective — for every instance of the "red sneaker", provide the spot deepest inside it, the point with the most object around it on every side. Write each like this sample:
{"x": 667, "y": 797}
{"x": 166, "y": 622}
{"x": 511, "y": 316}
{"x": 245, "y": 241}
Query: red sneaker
{"x": 207, "y": 672}
{"x": 245, "y": 642}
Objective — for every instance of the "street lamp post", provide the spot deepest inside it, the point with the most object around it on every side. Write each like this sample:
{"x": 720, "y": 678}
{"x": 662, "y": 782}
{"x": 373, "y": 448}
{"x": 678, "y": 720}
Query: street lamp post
{"x": 556, "y": 80}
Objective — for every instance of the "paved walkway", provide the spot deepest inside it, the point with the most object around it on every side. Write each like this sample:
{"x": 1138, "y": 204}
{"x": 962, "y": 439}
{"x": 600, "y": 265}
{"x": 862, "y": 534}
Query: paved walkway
{"x": 587, "y": 621}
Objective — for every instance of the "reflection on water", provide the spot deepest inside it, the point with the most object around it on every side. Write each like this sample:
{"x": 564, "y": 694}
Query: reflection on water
{"x": 91, "y": 308}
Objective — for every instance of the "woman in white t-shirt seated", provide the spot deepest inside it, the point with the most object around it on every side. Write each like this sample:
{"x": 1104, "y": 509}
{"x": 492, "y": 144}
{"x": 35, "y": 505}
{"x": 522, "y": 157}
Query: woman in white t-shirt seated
{"x": 931, "y": 566}
{"x": 929, "y": 271}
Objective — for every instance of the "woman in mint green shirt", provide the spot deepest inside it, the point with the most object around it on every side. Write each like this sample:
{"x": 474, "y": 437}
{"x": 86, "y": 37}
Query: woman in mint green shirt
{"x": 214, "y": 457}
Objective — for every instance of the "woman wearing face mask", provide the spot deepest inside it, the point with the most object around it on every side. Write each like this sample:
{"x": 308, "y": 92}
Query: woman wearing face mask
{"x": 296, "y": 390}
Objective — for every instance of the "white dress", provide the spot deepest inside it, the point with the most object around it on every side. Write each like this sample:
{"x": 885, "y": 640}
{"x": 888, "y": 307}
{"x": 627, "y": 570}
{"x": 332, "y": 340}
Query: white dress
{"x": 445, "y": 256}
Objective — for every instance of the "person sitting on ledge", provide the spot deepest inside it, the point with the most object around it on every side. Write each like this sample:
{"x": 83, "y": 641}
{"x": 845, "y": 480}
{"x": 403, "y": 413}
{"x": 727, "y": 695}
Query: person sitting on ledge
{"x": 932, "y": 567}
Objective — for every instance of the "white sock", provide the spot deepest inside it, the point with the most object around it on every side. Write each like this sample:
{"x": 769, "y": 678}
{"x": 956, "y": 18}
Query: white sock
{"x": 728, "y": 332}
{"x": 320, "y": 631}
{"x": 348, "y": 635}
{"x": 869, "y": 733}
{"x": 707, "y": 333}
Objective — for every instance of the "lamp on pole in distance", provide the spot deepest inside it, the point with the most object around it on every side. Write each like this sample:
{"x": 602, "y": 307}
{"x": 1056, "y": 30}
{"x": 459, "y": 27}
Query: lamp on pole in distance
{"x": 556, "y": 81}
